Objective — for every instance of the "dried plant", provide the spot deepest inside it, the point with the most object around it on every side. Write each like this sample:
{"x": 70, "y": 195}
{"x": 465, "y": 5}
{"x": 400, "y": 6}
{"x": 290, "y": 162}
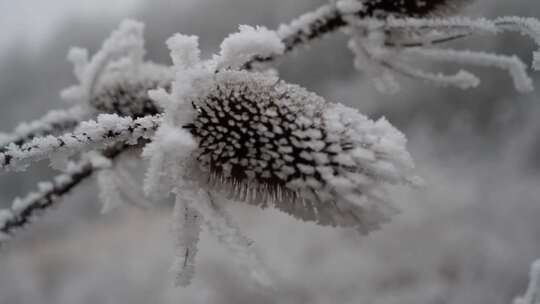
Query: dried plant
{"x": 229, "y": 129}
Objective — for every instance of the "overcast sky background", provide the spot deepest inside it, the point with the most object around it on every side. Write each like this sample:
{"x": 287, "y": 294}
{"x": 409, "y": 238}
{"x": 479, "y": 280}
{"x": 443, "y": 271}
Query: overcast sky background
{"x": 33, "y": 21}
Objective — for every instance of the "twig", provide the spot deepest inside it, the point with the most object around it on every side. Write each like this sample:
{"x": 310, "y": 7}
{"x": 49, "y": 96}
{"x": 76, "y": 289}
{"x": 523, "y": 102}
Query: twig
{"x": 24, "y": 210}
{"x": 54, "y": 122}
{"x": 107, "y": 129}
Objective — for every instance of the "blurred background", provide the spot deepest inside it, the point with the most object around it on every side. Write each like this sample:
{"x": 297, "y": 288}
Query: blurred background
{"x": 468, "y": 237}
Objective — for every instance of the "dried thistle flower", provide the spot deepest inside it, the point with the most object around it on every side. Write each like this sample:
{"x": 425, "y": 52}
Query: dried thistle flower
{"x": 250, "y": 137}
{"x": 270, "y": 143}
{"x": 125, "y": 93}
{"x": 248, "y": 134}
{"x": 263, "y": 141}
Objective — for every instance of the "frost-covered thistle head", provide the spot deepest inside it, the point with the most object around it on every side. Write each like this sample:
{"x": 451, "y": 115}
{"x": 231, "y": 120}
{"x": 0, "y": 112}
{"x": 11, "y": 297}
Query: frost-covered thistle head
{"x": 415, "y": 8}
{"x": 122, "y": 92}
{"x": 117, "y": 78}
{"x": 263, "y": 141}
{"x": 267, "y": 142}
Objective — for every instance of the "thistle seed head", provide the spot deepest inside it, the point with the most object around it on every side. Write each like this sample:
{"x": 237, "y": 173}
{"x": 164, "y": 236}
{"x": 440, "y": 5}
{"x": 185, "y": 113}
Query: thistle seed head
{"x": 122, "y": 93}
{"x": 416, "y": 8}
{"x": 270, "y": 143}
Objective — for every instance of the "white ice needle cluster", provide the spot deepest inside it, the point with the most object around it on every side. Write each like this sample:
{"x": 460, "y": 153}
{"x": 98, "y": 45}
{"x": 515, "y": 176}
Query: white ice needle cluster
{"x": 251, "y": 137}
{"x": 116, "y": 79}
{"x": 126, "y": 44}
{"x": 106, "y": 130}
{"x": 388, "y": 47}
{"x": 240, "y": 47}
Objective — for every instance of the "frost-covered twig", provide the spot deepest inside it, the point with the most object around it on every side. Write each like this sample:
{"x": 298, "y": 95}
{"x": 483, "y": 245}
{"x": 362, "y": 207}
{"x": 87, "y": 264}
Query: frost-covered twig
{"x": 384, "y": 47}
{"x": 107, "y": 129}
{"x": 221, "y": 225}
{"x": 532, "y": 295}
{"x": 54, "y": 122}
{"x": 187, "y": 223}
{"x": 407, "y": 24}
{"x": 24, "y": 210}
{"x": 118, "y": 187}
{"x": 333, "y": 17}
{"x": 195, "y": 206}
{"x": 515, "y": 67}
{"x": 387, "y": 59}
{"x": 529, "y": 27}
{"x": 315, "y": 25}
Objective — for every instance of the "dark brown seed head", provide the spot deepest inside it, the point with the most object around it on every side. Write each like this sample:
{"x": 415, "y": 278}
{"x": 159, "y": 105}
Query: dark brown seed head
{"x": 270, "y": 143}
{"x": 415, "y": 8}
{"x": 125, "y": 94}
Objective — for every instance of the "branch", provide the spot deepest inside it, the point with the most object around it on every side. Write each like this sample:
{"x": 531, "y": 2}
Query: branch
{"x": 48, "y": 195}
{"x": 515, "y": 67}
{"x": 329, "y": 19}
{"x": 410, "y": 27}
{"x": 462, "y": 79}
{"x": 54, "y": 122}
{"x": 108, "y": 129}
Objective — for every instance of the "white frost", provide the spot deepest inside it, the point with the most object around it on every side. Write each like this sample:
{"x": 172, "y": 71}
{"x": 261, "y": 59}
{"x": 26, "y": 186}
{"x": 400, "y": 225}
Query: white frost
{"x": 185, "y": 51}
{"x": 349, "y": 6}
{"x": 107, "y": 129}
{"x": 187, "y": 223}
{"x": 240, "y": 47}
{"x": 384, "y": 46}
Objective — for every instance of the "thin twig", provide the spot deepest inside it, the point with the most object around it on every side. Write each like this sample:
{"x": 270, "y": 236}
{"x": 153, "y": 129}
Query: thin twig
{"x": 107, "y": 129}
{"x": 26, "y": 209}
{"x": 54, "y": 122}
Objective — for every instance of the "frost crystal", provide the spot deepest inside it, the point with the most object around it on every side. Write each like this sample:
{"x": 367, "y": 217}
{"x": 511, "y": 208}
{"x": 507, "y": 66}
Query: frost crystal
{"x": 385, "y": 47}
{"x": 126, "y": 44}
{"x": 349, "y": 6}
{"x": 106, "y": 130}
{"x": 53, "y": 122}
{"x": 239, "y": 47}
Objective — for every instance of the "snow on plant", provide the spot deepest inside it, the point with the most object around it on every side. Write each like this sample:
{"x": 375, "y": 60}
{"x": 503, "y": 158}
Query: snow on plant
{"x": 532, "y": 295}
{"x": 263, "y": 141}
{"x": 229, "y": 129}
